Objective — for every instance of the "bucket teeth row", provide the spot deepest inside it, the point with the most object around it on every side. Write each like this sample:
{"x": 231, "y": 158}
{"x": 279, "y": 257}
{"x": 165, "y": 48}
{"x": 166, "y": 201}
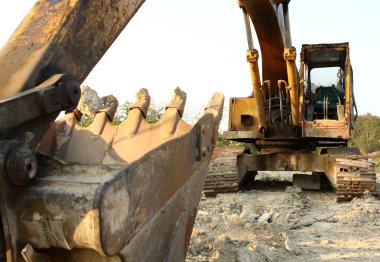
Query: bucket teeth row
{"x": 124, "y": 142}
{"x": 137, "y": 111}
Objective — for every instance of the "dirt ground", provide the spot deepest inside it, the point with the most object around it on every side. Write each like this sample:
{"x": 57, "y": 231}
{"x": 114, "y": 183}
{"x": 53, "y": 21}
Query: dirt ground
{"x": 277, "y": 222}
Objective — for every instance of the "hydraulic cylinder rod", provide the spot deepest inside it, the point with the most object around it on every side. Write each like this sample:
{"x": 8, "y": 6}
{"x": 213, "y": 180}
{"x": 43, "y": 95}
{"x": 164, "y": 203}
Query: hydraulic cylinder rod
{"x": 290, "y": 57}
{"x": 252, "y": 59}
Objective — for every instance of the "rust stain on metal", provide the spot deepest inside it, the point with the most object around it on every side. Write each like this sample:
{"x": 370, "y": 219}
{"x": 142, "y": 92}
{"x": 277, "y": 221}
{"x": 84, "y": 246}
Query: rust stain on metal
{"x": 189, "y": 230}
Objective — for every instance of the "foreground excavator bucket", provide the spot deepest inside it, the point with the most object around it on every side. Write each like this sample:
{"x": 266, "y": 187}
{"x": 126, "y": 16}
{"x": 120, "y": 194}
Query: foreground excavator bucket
{"x": 101, "y": 193}
{"x": 112, "y": 193}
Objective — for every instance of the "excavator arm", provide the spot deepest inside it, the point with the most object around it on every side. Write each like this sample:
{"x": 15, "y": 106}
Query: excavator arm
{"x": 68, "y": 36}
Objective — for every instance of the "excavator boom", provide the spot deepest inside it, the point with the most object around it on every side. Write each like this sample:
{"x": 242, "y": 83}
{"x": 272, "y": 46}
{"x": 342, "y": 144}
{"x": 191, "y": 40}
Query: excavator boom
{"x": 270, "y": 21}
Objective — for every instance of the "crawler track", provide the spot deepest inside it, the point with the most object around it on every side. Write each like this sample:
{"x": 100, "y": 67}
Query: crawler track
{"x": 355, "y": 175}
{"x": 223, "y": 175}
{"x": 349, "y": 172}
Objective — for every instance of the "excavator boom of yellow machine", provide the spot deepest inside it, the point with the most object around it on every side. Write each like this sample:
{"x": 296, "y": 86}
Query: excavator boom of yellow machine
{"x": 269, "y": 19}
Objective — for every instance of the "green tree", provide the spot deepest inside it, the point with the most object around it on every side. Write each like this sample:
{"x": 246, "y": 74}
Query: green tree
{"x": 366, "y": 133}
{"x": 155, "y": 113}
{"x": 121, "y": 113}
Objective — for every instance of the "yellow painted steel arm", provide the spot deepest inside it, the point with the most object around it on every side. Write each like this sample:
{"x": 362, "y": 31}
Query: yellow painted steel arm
{"x": 265, "y": 16}
{"x": 271, "y": 21}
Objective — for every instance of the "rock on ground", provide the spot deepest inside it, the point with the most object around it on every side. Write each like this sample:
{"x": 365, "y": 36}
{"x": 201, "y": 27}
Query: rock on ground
{"x": 255, "y": 226}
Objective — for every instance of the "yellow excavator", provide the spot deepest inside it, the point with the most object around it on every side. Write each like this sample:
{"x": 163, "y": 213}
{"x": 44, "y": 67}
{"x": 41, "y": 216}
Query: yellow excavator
{"x": 299, "y": 120}
{"x": 99, "y": 193}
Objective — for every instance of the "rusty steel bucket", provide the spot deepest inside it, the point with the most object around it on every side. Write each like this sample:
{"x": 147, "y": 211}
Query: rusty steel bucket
{"x": 105, "y": 192}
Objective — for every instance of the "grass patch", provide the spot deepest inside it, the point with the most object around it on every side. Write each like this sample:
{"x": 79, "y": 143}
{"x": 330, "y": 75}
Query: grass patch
{"x": 222, "y": 142}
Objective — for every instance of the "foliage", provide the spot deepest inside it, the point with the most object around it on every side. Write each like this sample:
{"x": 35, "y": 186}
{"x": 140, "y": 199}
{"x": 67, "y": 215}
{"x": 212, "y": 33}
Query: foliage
{"x": 376, "y": 159}
{"x": 366, "y": 134}
{"x": 155, "y": 113}
{"x": 222, "y": 142}
{"x": 121, "y": 113}
{"x": 86, "y": 121}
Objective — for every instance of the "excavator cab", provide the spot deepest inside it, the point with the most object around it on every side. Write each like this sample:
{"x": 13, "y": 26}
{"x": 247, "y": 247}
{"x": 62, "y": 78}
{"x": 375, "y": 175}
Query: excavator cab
{"x": 327, "y": 84}
{"x": 324, "y": 89}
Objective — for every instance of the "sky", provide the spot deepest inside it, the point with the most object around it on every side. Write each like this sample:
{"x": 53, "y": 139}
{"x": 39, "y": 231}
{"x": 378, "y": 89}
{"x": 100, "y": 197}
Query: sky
{"x": 199, "y": 45}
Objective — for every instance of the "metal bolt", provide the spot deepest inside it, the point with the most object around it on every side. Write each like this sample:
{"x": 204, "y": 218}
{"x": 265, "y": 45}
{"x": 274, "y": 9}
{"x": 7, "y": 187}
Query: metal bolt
{"x": 72, "y": 93}
{"x": 21, "y": 166}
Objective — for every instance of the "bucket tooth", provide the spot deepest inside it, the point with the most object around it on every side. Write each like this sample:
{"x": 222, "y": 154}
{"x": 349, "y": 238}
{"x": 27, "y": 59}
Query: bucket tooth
{"x": 137, "y": 113}
{"x": 142, "y": 101}
{"x": 100, "y": 121}
{"x": 110, "y": 104}
{"x": 213, "y": 107}
{"x": 178, "y": 102}
{"x": 104, "y": 115}
{"x": 173, "y": 113}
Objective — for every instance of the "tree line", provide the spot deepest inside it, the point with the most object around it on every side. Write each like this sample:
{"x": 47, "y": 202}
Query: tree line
{"x": 366, "y": 133}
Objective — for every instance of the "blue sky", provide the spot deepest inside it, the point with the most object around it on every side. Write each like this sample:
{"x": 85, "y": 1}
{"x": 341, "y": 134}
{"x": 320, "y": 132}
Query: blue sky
{"x": 199, "y": 45}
